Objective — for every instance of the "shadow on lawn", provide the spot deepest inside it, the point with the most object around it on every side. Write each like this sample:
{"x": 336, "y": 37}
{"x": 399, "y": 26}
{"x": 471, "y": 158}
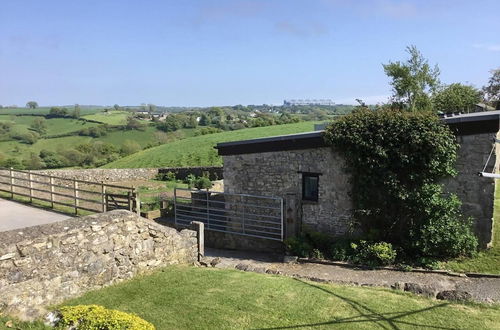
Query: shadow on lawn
{"x": 366, "y": 314}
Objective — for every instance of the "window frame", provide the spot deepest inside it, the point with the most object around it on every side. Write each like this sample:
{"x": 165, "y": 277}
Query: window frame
{"x": 306, "y": 175}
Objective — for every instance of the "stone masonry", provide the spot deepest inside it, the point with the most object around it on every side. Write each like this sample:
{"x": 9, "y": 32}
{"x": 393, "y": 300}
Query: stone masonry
{"x": 46, "y": 264}
{"x": 278, "y": 174}
{"x": 103, "y": 174}
{"x": 475, "y": 192}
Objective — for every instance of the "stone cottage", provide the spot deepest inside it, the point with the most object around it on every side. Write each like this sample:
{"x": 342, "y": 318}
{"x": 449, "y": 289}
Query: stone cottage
{"x": 313, "y": 181}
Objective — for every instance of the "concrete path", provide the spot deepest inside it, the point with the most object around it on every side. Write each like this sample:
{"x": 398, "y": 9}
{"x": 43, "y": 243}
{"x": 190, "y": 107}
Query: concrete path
{"x": 428, "y": 284}
{"x": 15, "y": 215}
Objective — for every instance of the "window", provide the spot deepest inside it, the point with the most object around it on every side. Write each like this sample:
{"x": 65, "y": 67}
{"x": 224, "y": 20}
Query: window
{"x": 310, "y": 186}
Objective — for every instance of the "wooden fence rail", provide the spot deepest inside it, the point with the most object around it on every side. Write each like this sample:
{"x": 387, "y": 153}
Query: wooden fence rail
{"x": 76, "y": 194}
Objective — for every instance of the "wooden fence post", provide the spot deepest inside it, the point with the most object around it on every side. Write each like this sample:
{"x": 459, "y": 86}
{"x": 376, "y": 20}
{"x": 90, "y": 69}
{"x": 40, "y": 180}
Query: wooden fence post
{"x": 11, "y": 174}
{"x": 137, "y": 201}
{"x": 52, "y": 191}
{"x": 30, "y": 177}
{"x": 104, "y": 200}
{"x": 75, "y": 190}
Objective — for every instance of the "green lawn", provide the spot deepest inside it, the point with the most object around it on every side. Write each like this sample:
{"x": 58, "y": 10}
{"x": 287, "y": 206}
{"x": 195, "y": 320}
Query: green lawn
{"x": 199, "y": 150}
{"x": 206, "y": 298}
{"x": 486, "y": 261}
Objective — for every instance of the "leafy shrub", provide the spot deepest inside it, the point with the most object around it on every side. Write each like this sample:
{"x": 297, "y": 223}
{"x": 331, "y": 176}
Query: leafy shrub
{"x": 129, "y": 147}
{"x": 297, "y": 246}
{"x": 169, "y": 176}
{"x": 12, "y": 162}
{"x": 341, "y": 250}
{"x": 53, "y": 159}
{"x": 309, "y": 244}
{"x": 202, "y": 182}
{"x": 190, "y": 178}
{"x": 94, "y": 131}
{"x": 397, "y": 160}
{"x": 94, "y": 317}
{"x": 28, "y": 138}
{"x": 207, "y": 130}
{"x": 373, "y": 254}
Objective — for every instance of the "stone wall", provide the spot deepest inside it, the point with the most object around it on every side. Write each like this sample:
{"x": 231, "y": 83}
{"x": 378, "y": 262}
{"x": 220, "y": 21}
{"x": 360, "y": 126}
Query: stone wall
{"x": 214, "y": 172}
{"x": 103, "y": 174}
{"x": 125, "y": 174}
{"x": 278, "y": 174}
{"x": 44, "y": 265}
{"x": 475, "y": 192}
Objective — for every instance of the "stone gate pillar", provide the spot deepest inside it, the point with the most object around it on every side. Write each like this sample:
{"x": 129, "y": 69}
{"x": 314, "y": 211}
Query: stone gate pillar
{"x": 292, "y": 215}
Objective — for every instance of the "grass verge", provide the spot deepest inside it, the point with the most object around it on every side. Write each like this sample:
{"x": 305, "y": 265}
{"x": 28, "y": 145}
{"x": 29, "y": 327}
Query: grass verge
{"x": 203, "y": 298}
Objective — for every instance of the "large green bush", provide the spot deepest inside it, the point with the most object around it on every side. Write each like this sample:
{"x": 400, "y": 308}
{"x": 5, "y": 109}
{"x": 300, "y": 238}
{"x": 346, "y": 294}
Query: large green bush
{"x": 397, "y": 160}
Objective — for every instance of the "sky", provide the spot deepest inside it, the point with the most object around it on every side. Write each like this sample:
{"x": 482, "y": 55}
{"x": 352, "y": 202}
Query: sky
{"x": 208, "y": 52}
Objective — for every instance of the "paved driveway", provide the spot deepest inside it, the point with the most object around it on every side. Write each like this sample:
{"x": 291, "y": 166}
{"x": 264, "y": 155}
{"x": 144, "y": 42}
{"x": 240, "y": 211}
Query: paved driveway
{"x": 15, "y": 215}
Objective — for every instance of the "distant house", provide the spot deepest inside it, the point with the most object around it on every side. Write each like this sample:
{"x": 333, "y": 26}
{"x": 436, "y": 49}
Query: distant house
{"x": 312, "y": 179}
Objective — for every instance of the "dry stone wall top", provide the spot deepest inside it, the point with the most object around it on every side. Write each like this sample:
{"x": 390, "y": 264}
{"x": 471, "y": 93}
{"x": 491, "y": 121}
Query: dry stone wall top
{"x": 44, "y": 265}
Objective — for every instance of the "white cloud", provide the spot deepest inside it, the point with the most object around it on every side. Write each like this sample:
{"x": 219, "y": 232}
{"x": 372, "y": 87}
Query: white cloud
{"x": 489, "y": 47}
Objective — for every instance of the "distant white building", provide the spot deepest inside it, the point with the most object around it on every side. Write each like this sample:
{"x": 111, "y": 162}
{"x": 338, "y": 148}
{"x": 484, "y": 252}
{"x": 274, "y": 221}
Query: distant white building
{"x": 308, "y": 102}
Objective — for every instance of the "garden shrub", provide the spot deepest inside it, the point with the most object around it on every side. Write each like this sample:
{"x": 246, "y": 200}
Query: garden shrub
{"x": 397, "y": 160}
{"x": 373, "y": 254}
{"x": 298, "y": 246}
{"x": 94, "y": 317}
{"x": 202, "y": 182}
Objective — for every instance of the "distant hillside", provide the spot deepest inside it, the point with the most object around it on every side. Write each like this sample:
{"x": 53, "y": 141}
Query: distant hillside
{"x": 199, "y": 150}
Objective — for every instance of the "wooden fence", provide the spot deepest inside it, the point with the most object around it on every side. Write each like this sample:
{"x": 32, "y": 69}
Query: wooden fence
{"x": 75, "y": 194}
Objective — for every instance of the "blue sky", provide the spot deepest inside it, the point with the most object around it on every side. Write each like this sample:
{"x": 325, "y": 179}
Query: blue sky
{"x": 201, "y": 53}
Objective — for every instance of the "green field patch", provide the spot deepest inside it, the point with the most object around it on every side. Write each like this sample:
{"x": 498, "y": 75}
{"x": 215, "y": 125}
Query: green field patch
{"x": 199, "y": 150}
{"x": 110, "y": 117}
{"x": 45, "y": 110}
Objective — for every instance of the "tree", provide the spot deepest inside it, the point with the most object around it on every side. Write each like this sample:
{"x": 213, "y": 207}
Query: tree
{"x": 133, "y": 123}
{"x": 39, "y": 125}
{"x": 32, "y": 105}
{"x": 492, "y": 90}
{"x": 413, "y": 81}
{"x": 58, "y": 112}
{"x": 34, "y": 162}
{"x": 116, "y": 107}
{"x": 455, "y": 97}
{"x": 151, "y": 108}
{"x": 76, "y": 111}
{"x": 129, "y": 147}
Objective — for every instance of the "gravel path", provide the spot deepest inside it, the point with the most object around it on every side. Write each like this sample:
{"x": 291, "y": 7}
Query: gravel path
{"x": 480, "y": 289}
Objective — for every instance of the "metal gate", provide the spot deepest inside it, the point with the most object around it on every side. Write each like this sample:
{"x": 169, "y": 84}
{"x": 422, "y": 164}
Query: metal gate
{"x": 241, "y": 214}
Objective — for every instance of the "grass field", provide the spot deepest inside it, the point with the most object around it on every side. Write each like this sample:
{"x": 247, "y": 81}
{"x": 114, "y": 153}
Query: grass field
{"x": 205, "y": 298}
{"x": 55, "y": 126}
{"x": 117, "y": 138}
{"x": 110, "y": 117}
{"x": 45, "y": 110}
{"x": 199, "y": 150}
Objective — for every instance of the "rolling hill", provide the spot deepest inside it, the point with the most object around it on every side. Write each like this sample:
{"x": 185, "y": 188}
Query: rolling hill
{"x": 199, "y": 150}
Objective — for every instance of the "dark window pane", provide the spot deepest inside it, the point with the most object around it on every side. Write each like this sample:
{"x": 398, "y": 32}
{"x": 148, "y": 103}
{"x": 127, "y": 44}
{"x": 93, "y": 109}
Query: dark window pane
{"x": 310, "y": 187}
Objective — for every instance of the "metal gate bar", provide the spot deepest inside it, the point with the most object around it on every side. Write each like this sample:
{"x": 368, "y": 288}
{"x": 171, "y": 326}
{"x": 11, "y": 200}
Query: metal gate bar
{"x": 241, "y": 214}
